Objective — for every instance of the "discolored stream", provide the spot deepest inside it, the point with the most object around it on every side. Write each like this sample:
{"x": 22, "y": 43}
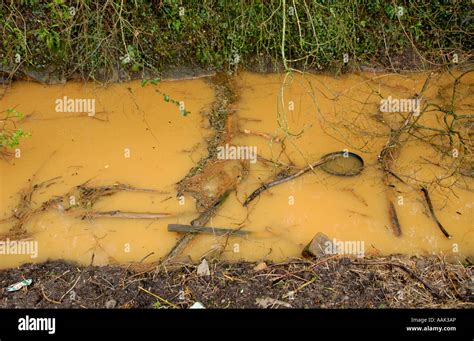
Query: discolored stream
{"x": 137, "y": 147}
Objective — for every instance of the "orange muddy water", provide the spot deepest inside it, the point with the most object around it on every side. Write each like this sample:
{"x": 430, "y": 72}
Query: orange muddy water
{"x": 139, "y": 143}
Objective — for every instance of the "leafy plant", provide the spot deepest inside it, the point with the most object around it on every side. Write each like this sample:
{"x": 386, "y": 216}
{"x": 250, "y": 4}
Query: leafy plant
{"x": 51, "y": 38}
{"x": 166, "y": 97}
{"x": 213, "y": 33}
{"x": 10, "y": 135}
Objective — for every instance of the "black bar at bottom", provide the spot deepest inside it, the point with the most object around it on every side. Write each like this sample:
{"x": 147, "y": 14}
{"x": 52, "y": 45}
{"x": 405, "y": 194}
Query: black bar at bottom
{"x": 417, "y": 324}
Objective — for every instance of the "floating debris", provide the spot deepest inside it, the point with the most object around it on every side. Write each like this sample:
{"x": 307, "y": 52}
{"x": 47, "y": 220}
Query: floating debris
{"x": 343, "y": 164}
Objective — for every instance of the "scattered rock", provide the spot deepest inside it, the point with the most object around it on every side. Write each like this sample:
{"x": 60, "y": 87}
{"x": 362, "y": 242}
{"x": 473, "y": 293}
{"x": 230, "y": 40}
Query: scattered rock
{"x": 203, "y": 269}
{"x": 260, "y": 266}
{"x": 317, "y": 246}
{"x": 197, "y": 305}
{"x": 110, "y": 304}
{"x": 267, "y": 302}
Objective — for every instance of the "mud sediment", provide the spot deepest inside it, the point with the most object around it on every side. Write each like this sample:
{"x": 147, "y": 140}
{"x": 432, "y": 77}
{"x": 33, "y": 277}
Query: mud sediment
{"x": 331, "y": 282}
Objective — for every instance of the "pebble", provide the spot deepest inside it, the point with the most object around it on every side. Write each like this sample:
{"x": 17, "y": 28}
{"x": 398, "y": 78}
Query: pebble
{"x": 260, "y": 266}
{"x": 110, "y": 304}
{"x": 203, "y": 269}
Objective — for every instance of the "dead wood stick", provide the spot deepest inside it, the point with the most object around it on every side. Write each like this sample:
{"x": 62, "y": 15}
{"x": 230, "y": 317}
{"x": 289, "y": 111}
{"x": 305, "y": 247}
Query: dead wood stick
{"x": 199, "y": 221}
{"x": 426, "y": 195}
{"x": 123, "y": 187}
{"x": 274, "y": 183}
{"x": 69, "y": 290}
{"x": 127, "y": 215}
{"x": 396, "y": 229}
{"x": 179, "y": 246}
{"x": 209, "y": 230}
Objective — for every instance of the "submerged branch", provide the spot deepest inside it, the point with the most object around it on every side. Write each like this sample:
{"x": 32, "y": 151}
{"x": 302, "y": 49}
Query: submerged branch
{"x": 274, "y": 183}
{"x": 126, "y": 215}
{"x": 199, "y": 221}
{"x": 395, "y": 223}
{"x": 389, "y": 153}
{"x": 209, "y": 230}
{"x": 426, "y": 195}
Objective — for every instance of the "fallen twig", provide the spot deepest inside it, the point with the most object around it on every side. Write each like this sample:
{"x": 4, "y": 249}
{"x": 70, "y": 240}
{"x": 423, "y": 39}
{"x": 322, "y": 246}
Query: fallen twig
{"x": 67, "y": 292}
{"x": 47, "y": 298}
{"x": 396, "y": 229}
{"x": 126, "y": 215}
{"x": 426, "y": 195}
{"x": 201, "y": 229}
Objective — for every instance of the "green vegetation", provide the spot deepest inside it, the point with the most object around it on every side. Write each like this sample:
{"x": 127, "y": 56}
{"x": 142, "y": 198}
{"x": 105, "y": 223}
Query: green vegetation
{"x": 166, "y": 97}
{"x": 9, "y": 134}
{"x": 101, "y": 39}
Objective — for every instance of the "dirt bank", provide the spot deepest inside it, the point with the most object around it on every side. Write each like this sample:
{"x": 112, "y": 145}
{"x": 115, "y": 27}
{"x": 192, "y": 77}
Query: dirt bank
{"x": 331, "y": 282}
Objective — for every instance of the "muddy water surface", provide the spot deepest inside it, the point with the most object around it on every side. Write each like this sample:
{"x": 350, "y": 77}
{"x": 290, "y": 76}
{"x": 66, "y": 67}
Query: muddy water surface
{"x": 140, "y": 146}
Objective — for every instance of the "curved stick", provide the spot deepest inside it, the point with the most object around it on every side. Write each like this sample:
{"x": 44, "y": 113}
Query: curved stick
{"x": 274, "y": 183}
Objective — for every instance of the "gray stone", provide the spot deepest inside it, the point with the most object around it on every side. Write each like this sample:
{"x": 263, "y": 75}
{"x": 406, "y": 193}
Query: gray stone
{"x": 316, "y": 247}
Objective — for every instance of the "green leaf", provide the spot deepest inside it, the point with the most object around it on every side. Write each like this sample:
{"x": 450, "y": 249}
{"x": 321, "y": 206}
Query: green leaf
{"x": 154, "y": 81}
